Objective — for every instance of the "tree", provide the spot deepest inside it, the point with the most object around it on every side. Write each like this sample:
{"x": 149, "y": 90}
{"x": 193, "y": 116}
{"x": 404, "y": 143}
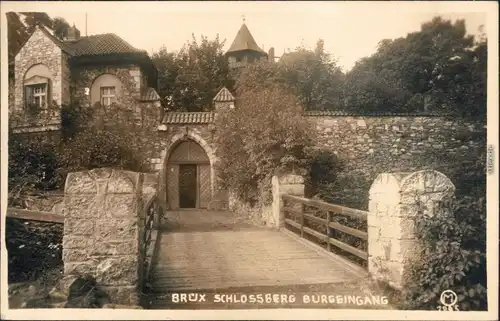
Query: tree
{"x": 190, "y": 78}
{"x": 165, "y": 62}
{"x": 60, "y": 27}
{"x": 315, "y": 77}
{"x": 259, "y": 75}
{"x": 17, "y": 33}
{"x": 366, "y": 89}
{"x": 428, "y": 70}
{"x": 265, "y": 133}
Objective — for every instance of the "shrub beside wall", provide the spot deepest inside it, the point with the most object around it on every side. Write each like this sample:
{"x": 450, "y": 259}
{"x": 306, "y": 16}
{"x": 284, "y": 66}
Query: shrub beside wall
{"x": 88, "y": 139}
{"x": 32, "y": 166}
{"x": 453, "y": 258}
{"x": 33, "y": 248}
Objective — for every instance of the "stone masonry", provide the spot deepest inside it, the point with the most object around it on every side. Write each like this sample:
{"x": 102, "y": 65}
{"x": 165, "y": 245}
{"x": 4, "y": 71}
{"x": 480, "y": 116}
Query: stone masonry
{"x": 367, "y": 146}
{"x": 39, "y": 50}
{"x": 286, "y": 184}
{"x": 102, "y": 227}
{"x": 370, "y": 145}
{"x": 129, "y": 76}
{"x": 396, "y": 201}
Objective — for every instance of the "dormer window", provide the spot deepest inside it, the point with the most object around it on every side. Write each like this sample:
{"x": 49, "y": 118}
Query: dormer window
{"x": 108, "y": 96}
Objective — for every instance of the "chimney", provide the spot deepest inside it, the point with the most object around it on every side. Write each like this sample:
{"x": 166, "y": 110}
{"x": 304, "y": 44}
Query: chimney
{"x": 270, "y": 55}
{"x": 73, "y": 33}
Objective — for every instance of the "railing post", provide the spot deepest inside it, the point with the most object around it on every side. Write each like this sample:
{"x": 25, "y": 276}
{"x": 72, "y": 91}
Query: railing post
{"x": 282, "y": 210}
{"x": 328, "y": 219}
{"x": 302, "y": 210}
{"x": 157, "y": 216}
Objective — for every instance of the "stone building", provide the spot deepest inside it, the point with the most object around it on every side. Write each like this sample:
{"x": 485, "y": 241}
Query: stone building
{"x": 244, "y": 50}
{"x": 95, "y": 70}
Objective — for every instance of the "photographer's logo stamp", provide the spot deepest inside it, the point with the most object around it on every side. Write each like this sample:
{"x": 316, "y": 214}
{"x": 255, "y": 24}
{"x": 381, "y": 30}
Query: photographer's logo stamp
{"x": 448, "y": 300}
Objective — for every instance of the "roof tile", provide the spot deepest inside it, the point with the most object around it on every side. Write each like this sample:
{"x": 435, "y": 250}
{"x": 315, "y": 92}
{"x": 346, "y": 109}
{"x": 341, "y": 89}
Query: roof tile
{"x": 151, "y": 95}
{"x": 224, "y": 95}
{"x": 320, "y": 113}
{"x": 188, "y": 118}
{"x": 107, "y": 43}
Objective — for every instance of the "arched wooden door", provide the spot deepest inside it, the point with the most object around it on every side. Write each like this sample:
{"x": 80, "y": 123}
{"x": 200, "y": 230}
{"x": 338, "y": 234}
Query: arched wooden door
{"x": 188, "y": 177}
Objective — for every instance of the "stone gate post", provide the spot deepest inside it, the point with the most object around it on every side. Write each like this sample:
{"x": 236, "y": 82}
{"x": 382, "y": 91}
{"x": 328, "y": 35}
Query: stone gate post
{"x": 287, "y": 184}
{"x": 101, "y": 230}
{"x": 393, "y": 211}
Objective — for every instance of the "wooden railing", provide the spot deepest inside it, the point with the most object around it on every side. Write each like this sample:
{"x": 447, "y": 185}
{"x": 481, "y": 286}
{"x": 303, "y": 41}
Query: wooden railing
{"x": 326, "y": 225}
{"x": 151, "y": 213}
{"x": 30, "y": 215}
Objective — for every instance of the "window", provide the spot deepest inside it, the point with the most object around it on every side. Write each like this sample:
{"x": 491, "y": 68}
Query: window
{"x": 36, "y": 95}
{"x": 107, "y": 96}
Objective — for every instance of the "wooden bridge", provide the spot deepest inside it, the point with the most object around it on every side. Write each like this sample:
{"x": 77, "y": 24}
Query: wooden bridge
{"x": 217, "y": 252}
{"x": 209, "y": 252}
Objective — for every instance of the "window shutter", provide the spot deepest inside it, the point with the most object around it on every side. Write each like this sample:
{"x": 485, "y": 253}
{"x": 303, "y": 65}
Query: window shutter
{"x": 101, "y": 96}
{"x": 48, "y": 90}
{"x": 28, "y": 95}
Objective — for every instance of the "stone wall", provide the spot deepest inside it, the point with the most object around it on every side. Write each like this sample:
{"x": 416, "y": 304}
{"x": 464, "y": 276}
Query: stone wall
{"x": 164, "y": 141}
{"x": 39, "y": 49}
{"x": 65, "y": 80}
{"x": 397, "y": 200}
{"x": 129, "y": 76}
{"x": 369, "y": 146}
{"x": 12, "y": 97}
{"x": 102, "y": 226}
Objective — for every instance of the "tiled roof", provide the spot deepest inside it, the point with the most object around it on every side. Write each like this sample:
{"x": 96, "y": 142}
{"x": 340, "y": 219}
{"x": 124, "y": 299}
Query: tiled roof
{"x": 150, "y": 95}
{"x": 188, "y": 117}
{"x": 208, "y": 117}
{"x": 107, "y": 43}
{"x": 224, "y": 95}
{"x": 102, "y": 44}
{"x": 244, "y": 41}
{"x": 320, "y": 113}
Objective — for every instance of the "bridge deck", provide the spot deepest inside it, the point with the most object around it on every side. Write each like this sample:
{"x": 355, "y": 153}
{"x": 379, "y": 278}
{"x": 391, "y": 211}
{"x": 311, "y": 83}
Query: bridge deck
{"x": 209, "y": 250}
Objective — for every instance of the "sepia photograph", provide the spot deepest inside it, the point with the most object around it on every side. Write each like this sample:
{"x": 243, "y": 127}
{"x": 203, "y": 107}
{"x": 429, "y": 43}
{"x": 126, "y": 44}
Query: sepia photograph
{"x": 214, "y": 160}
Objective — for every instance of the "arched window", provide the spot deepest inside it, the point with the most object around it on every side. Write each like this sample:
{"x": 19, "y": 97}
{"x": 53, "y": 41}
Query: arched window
{"x": 37, "y": 86}
{"x": 106, "y": 89}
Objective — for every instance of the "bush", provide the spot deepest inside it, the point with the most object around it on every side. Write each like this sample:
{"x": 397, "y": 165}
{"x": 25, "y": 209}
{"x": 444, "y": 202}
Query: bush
{"x": 95, "y": 148}
{"x": 453, "y": 257}
{"x": 32, "y": 248}
{"x": 324, "y": 167}
{"x": 265, "y": 134}
{"x": 74, "y": 118}
{"x": 32, "y": 165}
{"x": 90, "y": 138}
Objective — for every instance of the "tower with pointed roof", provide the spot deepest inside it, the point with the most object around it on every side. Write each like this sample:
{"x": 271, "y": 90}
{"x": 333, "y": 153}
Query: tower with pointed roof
{"x": 244, "y": 49}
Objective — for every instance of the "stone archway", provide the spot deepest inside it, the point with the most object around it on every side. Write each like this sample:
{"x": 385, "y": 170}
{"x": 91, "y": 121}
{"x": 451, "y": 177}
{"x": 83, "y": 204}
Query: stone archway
{"x": 188, "y": 172}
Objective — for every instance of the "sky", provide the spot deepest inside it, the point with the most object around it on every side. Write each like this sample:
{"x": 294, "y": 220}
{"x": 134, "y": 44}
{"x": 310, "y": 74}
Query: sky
{"x": 350, "y": 30}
